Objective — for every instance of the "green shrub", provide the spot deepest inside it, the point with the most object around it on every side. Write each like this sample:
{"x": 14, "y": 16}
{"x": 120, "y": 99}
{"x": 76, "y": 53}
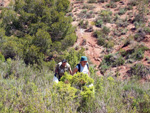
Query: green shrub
{"x": 141, "y": 15}
{"x": 111, "y": 5}
{"x": 74, "y": 56}
{"x": 147, "y": 30}
{"x": 91, "y": 1}
{"x": 133, "y": 3}
{"x": 11, "y": 47}
{"x": 98, "y": 33}
{"x": 106, "y": 15}
{"x": 33, "y": 55}
{"x": 122, "y": 23}
{"x": 137, "y": 53}
{"x": 99, "y": 23}
{"x": 37, "y": 27}
{"x": 79, "y": 82}
{"x": 105, "y": 30}
{"x": 139, "y": 70}
{"x": 101, "y": 41}
{"x": 28, "y": 89}
{"x": 102, "y": 37}
{"x": 122, "y": 11}
{"x": 109, "y": 44}
{"x": 111, "y": 60}
{"x": 2, "y": 33}
{"x": 89, "y": 7}
{"x": 83, "y": 24}
{"x": 42, "y": 40}
{"x": 128, "y": 41}
{"x": 2, "y": 58}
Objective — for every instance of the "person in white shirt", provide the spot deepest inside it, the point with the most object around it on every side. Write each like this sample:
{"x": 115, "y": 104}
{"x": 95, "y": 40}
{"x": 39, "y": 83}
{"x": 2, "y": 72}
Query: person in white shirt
{"x": 82, "y": 66}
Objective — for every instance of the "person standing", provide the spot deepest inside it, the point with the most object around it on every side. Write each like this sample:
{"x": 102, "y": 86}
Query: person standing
{"x": 61, "y": 68}
{"x": 82, "y": 66}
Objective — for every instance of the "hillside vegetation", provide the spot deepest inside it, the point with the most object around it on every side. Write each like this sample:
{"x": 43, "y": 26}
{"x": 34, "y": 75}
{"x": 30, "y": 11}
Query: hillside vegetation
{"x": 120, "y": 28}
{"x": 37, "y": 34}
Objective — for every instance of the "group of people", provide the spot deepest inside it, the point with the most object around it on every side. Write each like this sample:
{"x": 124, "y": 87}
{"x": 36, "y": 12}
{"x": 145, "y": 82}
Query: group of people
{"x": 64, "y": 66}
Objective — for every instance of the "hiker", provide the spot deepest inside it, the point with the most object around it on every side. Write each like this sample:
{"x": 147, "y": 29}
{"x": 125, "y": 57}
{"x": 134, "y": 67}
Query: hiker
{"x": 82, "y": 66}
{"x": 61, "y": 68}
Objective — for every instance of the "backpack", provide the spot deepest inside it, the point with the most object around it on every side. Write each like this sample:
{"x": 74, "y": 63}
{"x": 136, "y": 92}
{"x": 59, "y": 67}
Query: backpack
{"x": 79, "y": 68}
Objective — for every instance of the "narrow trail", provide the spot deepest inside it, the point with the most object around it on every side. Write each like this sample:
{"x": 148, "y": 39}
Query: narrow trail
{"x": 92, "y": 50}
{"x": 87, "y": 41}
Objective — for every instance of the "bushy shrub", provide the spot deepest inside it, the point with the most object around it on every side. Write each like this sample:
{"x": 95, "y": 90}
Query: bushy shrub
{"x": 28, "y": 89}
{"x": 89, "y": 7}
{"x": 11, "y": 47}
{"x": 42, "y": 40}
{"x": 147, "y": 30}
{"x": 122, "y": 22}
{"x": 136, "y": 53}
{"x": 122, "y": 11}
{"x": 139, "y": 70}
{"x": 98, "y": 22}
{"x": 91, "y": 1}
{"x": 128, "y": 41}
{"x": 102, "y": 35}
{"x": 37, "y": 27}
{"x": 105, "y": 15}
{"x": 105, "y": 30}
{"x": 74, "y": 56}
{"x": 133, "y": 3}
{"x": 2, "y": 58}
{"x": 141, "y": 15}
{"x": 111, "y": 5}
{"x": 83, "y": 24}
{"x": 111, "y": 60}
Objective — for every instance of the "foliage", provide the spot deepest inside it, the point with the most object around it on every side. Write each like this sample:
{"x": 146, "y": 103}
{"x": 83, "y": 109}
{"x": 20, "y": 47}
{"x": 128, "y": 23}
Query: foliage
{"x": 122, "y": 11}
{"x": 103, "y": 39}
{"x": 136, "y": 53}
{"x": 141, "y": 16}
{"x": 105, "y": 15}
{"x": 83, "y": 24}
{"x": 98, "y": 22}
{"x": 111, "y": 5}
{"x": 111, "y": 60}
{"x": 132, "y": 3}
{"x": 33, "y": 28}
{"x": 2, "y": 58}
{"x": 91, "y": 1}
{"x": 139, "y": 70}
{"x": 28, "y": 89}
{"x": 74, "y": 56}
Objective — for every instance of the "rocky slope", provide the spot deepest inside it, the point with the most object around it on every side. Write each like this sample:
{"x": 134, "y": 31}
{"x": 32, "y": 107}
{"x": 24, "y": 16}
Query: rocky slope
{"x": 125, "y": 31}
